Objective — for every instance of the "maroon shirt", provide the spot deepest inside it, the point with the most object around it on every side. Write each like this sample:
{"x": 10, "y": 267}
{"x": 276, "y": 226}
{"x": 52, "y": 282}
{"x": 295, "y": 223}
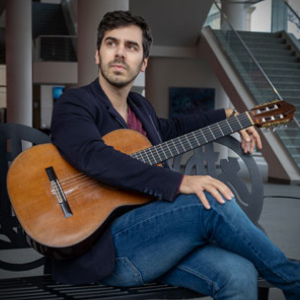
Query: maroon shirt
{"x": 134, "y": 123}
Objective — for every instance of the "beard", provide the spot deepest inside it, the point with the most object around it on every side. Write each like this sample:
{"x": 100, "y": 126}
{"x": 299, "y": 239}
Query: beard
{"x": 117, "y": 78}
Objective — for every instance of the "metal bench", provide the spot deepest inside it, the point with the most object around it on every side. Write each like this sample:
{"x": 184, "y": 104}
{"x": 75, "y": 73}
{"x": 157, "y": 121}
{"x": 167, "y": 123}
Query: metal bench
{"x": 21, "y": 267}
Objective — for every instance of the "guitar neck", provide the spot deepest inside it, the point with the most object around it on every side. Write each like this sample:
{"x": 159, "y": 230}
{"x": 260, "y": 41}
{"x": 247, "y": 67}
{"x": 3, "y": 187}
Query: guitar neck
{"x": 162, "y": 152}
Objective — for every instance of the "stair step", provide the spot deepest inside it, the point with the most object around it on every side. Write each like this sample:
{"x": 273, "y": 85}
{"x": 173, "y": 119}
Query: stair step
{"x": 259, "y": 33}
{"x": 279, "y": 85}
{"x": 284, "y": 78}
{"x": 264, "y": 47}
{"x": 273, "y": 51}
{"x": 283, "y": 71}
{"x": 267, "y": 58}
{"x": 287, "y": 85}
{"x": 279, "y": 65}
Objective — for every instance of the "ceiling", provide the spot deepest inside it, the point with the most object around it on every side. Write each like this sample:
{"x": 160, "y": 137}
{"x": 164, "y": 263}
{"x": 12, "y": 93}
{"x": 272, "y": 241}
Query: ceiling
{"x": 173, "y": 22}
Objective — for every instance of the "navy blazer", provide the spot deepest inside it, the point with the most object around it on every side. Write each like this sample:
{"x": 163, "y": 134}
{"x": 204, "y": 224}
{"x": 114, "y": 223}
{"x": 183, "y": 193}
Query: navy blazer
{"x": 81, "y": 117}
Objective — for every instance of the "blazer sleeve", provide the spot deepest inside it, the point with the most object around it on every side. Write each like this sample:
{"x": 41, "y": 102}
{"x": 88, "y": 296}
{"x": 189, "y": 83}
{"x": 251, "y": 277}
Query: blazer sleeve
{"x": 76, "y": 135}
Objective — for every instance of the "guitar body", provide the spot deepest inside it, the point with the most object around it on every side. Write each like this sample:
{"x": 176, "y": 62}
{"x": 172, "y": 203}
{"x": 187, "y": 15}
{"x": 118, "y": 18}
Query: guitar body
{"x": 93, "y": 205}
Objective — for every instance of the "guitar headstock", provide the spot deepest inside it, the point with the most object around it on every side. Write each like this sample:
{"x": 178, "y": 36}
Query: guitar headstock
{"x": 272, "y": 114}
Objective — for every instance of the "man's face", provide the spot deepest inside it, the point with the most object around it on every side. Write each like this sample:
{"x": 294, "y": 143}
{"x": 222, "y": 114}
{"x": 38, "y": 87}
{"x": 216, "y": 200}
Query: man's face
{"x": 120, "y": 58}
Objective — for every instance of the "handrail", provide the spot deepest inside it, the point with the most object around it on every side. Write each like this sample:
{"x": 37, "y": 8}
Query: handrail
{"x": 254, "y": 59}
{"x": 55, "y": 36}
{"x": 294, "y": 12}
{"x": 250, "y": 53}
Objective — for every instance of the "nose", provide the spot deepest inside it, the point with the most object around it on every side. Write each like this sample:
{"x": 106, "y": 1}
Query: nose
{"x": 120, "y": 51}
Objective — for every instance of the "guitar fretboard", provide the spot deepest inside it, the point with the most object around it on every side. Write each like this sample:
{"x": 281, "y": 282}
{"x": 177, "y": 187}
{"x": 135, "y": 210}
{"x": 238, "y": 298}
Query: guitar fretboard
{"x": 162, "y": 152}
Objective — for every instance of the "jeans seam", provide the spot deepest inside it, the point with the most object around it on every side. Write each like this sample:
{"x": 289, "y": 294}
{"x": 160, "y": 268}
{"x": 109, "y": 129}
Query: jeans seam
{"x": 132, "y": 267}
{"x": 209, "y": 282}
{"x": 255, "y": 252}
{"x": 154, "y": 216}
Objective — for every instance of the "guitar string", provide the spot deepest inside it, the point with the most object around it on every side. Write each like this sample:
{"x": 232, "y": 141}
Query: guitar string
{"x": 200, "y": 134}
{"x": 205, "y": 131}
{"x": 80, "y": 186}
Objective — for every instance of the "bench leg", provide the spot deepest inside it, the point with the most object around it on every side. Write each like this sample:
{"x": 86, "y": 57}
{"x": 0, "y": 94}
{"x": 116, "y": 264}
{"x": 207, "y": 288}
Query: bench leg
{"x": 263, "y": 293}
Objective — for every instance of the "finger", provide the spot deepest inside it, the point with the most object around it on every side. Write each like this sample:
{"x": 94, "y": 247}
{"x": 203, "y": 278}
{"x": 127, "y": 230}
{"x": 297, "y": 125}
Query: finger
{"x": 257, "y": 139}
{"x": 245, "y": 140}
{"x": 217, "y": 189}
{"x": 252, "y": 145}
{"x": 203, "y": 200}
{"x": 253, "y": 132}
{"x": 217, "y": 196}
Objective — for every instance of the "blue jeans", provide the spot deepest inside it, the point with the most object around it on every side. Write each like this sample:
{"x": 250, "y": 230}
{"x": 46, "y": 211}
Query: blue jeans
{"x": 217, "y": 252}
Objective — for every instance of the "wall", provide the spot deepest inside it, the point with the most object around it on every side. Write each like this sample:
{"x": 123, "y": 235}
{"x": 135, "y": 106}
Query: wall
{"x": 163, "y": 73}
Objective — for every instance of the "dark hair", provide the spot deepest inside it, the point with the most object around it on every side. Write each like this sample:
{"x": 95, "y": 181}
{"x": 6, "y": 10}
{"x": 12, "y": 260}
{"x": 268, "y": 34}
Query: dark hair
{"x": 116, "y": 19}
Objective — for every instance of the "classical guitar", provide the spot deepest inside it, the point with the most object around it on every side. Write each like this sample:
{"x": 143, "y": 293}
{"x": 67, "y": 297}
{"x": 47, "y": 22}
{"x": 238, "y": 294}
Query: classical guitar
{"x": 63, "y": 212}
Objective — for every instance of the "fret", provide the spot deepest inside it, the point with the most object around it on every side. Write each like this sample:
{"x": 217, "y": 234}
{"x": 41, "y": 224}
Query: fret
{"x": 172, "y": 141}
{"x": 196, "y": 139}
{"x": 151, "y": 152}
{"x": 147, "y": 158}
{"x": 211, "y": 132}
{"x": 235, "y": 125}
{"x": 167, "y": 144}
{"x": 208, "y": 134}
{"x": 217, "y": 131}
{"x": 229, "y": 125}
{"x": 188, "y": 141}
{"x": 220, "y": 129}
{"x": 160, "y": 158}
{"x": 226, "y": 127}
{"x": 182, "y": 145}
{"x": 200, "y": 131}
{"x": 245, "y": 120}
{"x": 239, "y": 122}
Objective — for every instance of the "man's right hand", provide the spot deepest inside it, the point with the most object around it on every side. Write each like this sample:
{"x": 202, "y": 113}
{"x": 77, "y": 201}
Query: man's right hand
{"x": 197, "y": 184}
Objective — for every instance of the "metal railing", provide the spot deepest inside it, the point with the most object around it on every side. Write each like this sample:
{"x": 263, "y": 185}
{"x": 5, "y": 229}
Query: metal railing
{"x": 294, "y": 14}
{"x": 255, "y": 77}
{"x": 55, "y": 48}
{"x": 248, "y": 51}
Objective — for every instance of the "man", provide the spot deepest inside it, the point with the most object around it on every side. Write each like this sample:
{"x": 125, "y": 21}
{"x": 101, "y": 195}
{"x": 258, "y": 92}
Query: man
{"x": 192, "y": 234}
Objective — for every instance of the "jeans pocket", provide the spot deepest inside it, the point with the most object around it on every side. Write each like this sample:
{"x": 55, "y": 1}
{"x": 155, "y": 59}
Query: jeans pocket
{"x": 125, "y": 274}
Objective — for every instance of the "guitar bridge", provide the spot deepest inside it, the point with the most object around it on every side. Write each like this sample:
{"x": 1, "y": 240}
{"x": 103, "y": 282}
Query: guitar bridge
{"x": 58, "y": 192}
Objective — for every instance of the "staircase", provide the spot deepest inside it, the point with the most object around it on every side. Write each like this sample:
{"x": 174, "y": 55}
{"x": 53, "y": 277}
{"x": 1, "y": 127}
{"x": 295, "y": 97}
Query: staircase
{"x": 280, "y": 63}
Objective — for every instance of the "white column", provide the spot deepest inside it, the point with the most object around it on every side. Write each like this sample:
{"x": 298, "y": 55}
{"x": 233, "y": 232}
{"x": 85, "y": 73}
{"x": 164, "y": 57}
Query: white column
{"x": 19, "y": 61}
{"x": 90, "y": 14}
{"x": 236, "y": 13}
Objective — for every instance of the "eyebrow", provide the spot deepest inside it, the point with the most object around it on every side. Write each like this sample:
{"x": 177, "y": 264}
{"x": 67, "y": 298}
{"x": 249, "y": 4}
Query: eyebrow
{"x": 128, "y": 41}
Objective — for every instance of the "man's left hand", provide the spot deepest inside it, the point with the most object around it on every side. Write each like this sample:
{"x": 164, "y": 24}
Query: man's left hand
{"x": 250, "y": 138}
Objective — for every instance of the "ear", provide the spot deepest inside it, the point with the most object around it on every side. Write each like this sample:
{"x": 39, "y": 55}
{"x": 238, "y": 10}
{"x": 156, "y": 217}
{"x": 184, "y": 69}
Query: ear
{"x": 97, "y": 58}
{"x": 144, "y": 64}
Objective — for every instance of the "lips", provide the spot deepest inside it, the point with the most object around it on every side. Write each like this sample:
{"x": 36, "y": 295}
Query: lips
{"x": 118, "y": 67}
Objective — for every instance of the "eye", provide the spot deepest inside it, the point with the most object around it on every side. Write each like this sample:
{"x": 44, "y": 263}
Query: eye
{"x": 111, "y": 43}
{"x": 132, "y": 47}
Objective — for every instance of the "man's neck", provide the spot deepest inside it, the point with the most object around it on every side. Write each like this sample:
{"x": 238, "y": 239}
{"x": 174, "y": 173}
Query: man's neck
{"x": 117, "y": 96}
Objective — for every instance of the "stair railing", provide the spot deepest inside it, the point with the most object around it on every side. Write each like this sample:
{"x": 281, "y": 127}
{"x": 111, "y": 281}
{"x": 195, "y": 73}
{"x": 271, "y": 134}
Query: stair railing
{"x": 292, "y": 10}
{"x": 254, "y": 60}
{"x": 249, "y": 52}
